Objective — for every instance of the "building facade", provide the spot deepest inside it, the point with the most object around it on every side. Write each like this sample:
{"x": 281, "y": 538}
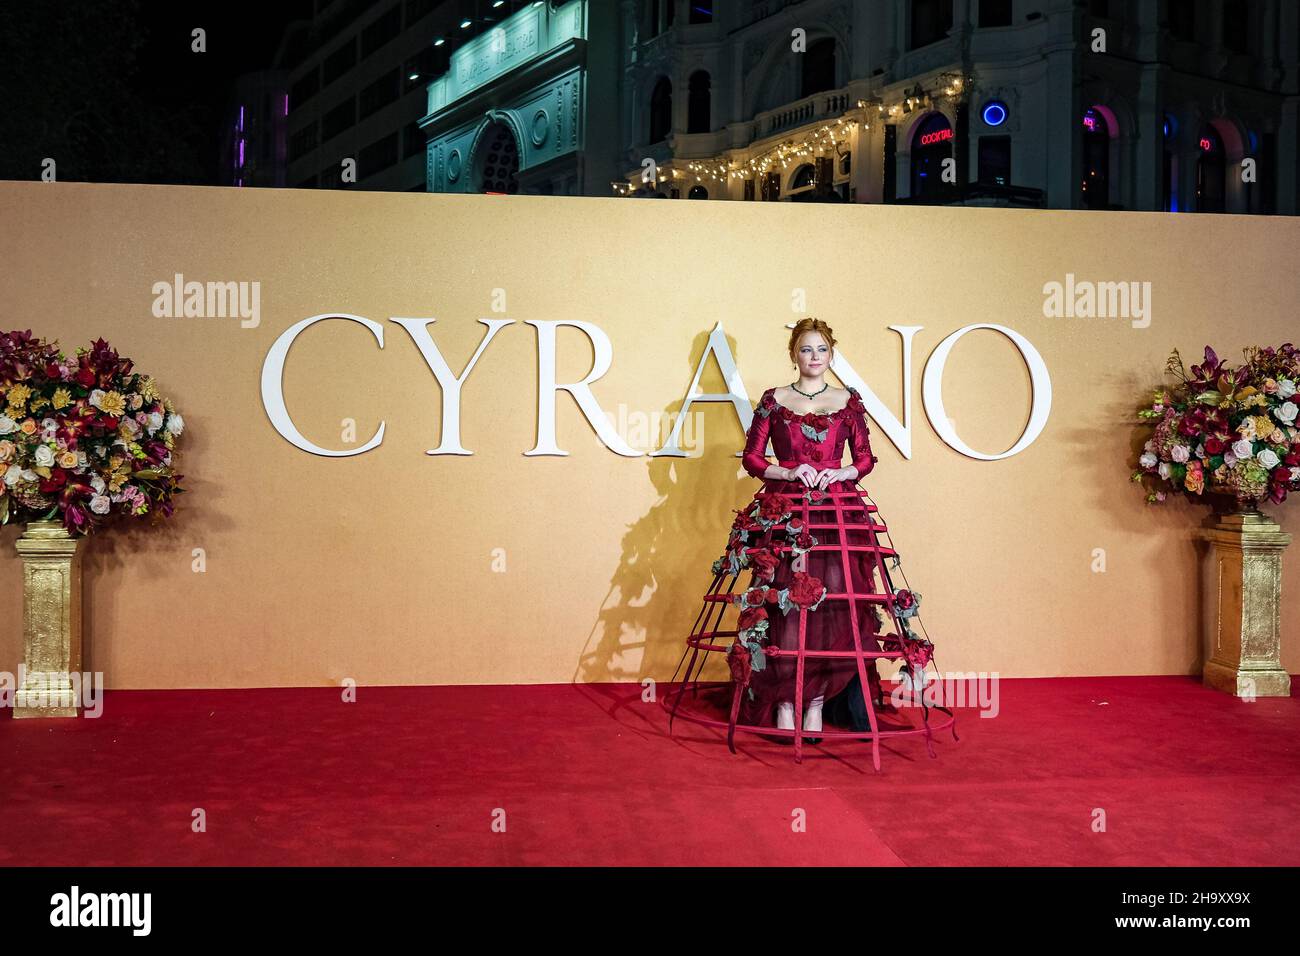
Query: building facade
{"x": 1177, "y": 105}
{"x": 530, "y": 105}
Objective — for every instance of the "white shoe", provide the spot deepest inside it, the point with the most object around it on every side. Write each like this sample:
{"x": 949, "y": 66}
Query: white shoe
{"x": 785, "y": 716}
{"x": 812, "y": 718}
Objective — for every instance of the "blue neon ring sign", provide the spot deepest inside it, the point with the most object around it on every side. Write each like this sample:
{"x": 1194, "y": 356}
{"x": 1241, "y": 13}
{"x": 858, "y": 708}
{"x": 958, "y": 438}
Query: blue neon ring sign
{"x": 994, "y": 113}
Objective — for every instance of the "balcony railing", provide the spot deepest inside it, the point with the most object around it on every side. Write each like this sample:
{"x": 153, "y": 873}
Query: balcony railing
{"x": 832, "y": 103}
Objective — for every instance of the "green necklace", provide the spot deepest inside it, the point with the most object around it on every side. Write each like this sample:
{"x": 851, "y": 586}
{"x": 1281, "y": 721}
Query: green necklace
{"x": 825, "y": 385}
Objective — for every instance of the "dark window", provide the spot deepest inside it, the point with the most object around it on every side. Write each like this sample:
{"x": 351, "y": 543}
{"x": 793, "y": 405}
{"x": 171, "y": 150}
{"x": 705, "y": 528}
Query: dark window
{"x": 701, "y": 12}
{"x": 305, "y": 88}
{"x": 1096, "y": 160}
{"x": 931, "y": 21}
{"x": 819, "y": 67}
{"x": 418, "y": 9}
{"x": 1236, "y": 26}
{"x": 413, "y": 140}
{"x": 378, "y": 156}
{"x": 698, "y": 104}
{"x": 1101, "y": 8}
{"x": 931, "y": 145}
{"x": 995, "y": 13}
{"x": 1211, "y": 169}
{"x": 846, "y": 163}
{"x": 890, "y": 184}
{"x": 424, "y": 66}
{"x": 661, "y": 110}
{"x": 805, "y": 175}
{"x": 338, "y": 119}
{"x": 381, "y": 30}
{"x": 380, "y": 93}
{"x": 995, "y": 160}
{"x": 302, "y": 142}
{"x": 698, "y": 192}
{"x": 339, "y": 62}
{"x": 749, "y": 189}
{"x": 1182, "y": 19}
{"x": 771, "y": 187}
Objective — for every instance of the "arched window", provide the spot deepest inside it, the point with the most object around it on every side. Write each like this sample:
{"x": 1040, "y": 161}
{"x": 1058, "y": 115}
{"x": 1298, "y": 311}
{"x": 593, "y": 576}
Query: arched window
{"x": 804, "y": 176}
{"x": 498, "y": 170}
{"x": 931, "y": 145}
{"x": 1096, "y": 160}
{"x": 1211, "y": 169}
{"x": 819, "y": 67}
{"x": 698, "y": 110}
{"x": 661, "y": 110}
{"x": 698, "y": 192}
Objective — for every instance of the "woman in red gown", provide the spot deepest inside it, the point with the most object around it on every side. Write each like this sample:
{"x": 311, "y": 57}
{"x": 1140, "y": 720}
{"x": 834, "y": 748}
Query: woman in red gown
{"x": 809, "y": 424}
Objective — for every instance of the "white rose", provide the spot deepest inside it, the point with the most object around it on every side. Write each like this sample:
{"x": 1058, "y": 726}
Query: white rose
{"x": 1242, "y": 448}
{"x": 1229, "y": 458}
{"x": 1285, "y": 388}
{"x": 175, "y": 424}
{"x": 7, "y": 425}
{"x": 44, "y": 456}
{"x": 1268, "y": 458}
{"x": 1286, "y": 412}
{"x": 13, "y": 474}
{"x": 155, "y": 421}
{"x": 96, "y": 397}
{"x": 1148, "y": 460}
{"x": 1150, "y": 445}
{"x": 1180, "y": 453}
{"x": 100, "y": 504}
{"x": 97, "y": 483}
{"x": 1295, "y": 472}
{"x": 1164, "y": 469}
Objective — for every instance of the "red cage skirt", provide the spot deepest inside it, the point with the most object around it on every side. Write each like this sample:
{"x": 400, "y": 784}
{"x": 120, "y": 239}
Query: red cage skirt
{"x": 809, "y": 621}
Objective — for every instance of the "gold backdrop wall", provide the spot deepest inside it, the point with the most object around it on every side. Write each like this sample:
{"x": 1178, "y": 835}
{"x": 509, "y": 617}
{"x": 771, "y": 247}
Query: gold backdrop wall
{"x": 396, "y": 567}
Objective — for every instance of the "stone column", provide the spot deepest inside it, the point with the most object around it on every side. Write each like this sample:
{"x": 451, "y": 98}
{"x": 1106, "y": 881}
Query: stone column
{"x": 1242, "y": 595}
{"x": 51, "y": 621}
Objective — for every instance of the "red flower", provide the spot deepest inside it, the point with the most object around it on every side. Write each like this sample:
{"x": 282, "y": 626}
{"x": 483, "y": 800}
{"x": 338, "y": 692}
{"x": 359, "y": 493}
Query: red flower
{"x": 86, "y": 376}
{"x": 764, "y": 563}
{"x": 903, "y": 599}
{"x": 773, "y": 596}
{"x": 58, "y": 478}
{"x": 804, "y": 541}
{"x": 751, "y": 616}
{"x": 742, "y": 668}
{"x": 754, "y": 597}
{"x": 806, "y": 589}
{"x": 771, "y": 505}
{"x": 1214, "y": 446}
{"x": 855, "y": 404}
{"x": 819, "y": 422}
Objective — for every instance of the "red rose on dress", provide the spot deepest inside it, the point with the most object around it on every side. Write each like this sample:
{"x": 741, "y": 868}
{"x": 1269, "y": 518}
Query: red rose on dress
{"x": 742, "y": 668}
{"x": 764, "y": 563}
{"x": 751, "y": 616}
{"x": 771, "y": 505}
{"x": 815, "y": 495}
{"x": 820, "y": 422}
{"x": 903, "y": 599}
{"x": 773, "y": 596}
{"x": 855, "y": 404}
{"x": 755, "y": 596}
{"x": 786, "y": 414}
{"x": 806, "y": 589}
{"x": 804, "y": 541}
{"x": 771, "y": 651}
{"x": 918, "y": 653}
{"x": 794, "y": 525}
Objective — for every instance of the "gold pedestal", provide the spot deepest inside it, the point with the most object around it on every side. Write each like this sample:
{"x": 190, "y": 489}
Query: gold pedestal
{"x": 51, "y": 621}
{"x": 1243, "y": 597}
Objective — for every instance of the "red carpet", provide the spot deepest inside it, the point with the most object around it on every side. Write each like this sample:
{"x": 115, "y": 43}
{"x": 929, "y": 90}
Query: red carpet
{"x": 588, "y": 775}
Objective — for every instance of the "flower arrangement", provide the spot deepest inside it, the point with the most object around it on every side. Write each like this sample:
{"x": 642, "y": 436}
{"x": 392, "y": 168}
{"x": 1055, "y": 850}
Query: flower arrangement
{"x": 1225, "y": 429}
{"x": 84, "y": 438}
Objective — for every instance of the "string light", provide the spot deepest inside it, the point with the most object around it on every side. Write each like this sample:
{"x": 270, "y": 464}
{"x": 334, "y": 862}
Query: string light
{"x": 820, "y": 140}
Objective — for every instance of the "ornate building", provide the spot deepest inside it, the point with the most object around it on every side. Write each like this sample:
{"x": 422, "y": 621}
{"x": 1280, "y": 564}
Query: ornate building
{"x": 529, "y": 105}
{"x": 1156, "y": 105}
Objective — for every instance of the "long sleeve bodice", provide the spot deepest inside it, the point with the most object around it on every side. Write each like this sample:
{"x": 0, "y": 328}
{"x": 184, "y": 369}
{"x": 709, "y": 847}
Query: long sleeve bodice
{"x": 816, "y": 439}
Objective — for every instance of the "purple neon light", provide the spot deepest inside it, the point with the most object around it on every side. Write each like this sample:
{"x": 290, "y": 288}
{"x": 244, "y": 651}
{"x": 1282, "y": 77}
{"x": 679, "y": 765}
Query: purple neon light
{"x": 241, "y": 154}
{"x": 241, "y": 119}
